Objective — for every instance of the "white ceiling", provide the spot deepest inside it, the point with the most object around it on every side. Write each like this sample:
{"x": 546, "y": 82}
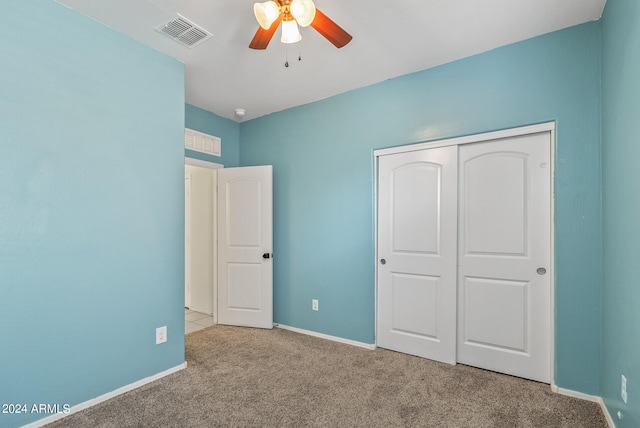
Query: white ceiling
{"x": 390, "y": 39}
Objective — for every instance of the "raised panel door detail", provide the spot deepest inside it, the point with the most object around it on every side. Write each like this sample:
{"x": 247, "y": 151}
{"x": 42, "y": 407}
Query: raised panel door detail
{"x": 243, "y": 226}
{"x": 495, "y": 200}
{"x": 416, "y": 201}
{"x": 496, "y": 313}
{"x": 244, "y": 286}
{"x": 415, "y": 305}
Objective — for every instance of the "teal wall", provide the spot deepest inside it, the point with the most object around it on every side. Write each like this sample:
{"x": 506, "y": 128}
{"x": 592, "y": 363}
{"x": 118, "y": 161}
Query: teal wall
{"x": 323, "y": 181}
{"x": 91, "y": 235}
{"x": 209, "y": 123}
{"x": 91, "y": 208}
{"x": 621, "y": 208}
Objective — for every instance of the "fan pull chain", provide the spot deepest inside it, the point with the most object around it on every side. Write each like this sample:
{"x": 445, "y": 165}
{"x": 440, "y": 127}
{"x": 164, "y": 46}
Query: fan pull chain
{"x": 286, "y": 55}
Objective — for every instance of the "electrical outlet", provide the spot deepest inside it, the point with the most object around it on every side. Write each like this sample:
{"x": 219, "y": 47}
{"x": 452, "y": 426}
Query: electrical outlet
{"x": 161, "y": 335}
{"x": 623, "y": 388}
{"x": 314, "y": 304}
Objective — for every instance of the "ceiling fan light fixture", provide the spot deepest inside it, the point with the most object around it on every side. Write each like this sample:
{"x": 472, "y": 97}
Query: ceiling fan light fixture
{"x": 304, "y": 11}
{"x": 290, "y": 32}
{"x": 266, "y": 13}
{"x": 292, "y": 13}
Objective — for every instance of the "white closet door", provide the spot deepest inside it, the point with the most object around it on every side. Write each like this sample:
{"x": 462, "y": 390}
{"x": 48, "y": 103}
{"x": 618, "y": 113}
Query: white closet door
{"x": 417, "y": 253}
{"x": 504, "y": 256}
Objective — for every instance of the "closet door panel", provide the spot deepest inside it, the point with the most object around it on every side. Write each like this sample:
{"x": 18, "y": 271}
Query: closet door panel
{"x": 504, "y": 297}
{"x": 417, "y": 253}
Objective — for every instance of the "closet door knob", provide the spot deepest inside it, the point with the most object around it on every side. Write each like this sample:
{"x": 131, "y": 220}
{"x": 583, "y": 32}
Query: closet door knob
{"x": 541, "y": 271}
{"x": 383, "y": 261}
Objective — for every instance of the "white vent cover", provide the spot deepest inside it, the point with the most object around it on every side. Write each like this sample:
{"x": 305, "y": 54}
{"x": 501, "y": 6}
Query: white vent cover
{"x": 205, "y": 143}
{"x": 184, "y": 31}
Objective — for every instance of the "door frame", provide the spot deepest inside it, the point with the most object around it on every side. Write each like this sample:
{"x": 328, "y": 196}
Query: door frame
{"x": 213, "y": 166}
{"x": 469, "y": 139}
{"x": 187, "y": 248}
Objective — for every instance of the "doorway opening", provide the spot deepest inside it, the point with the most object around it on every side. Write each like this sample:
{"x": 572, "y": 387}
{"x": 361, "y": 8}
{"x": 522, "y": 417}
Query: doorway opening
{"x": 200, "y": 244}
{"x": 228, "y": 245}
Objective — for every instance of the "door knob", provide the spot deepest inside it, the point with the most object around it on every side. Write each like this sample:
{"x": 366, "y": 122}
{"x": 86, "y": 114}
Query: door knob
{"x": 266, "y": 255}
{"x": 541, "y": 271}
{"x": 383, "y": 261}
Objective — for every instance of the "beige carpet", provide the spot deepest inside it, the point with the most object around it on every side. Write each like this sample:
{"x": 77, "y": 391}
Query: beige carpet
{"x": 240, "y": 377}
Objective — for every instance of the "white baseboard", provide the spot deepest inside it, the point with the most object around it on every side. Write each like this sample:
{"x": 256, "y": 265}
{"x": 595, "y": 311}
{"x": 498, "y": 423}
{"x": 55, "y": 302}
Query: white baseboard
{"x": 105, "y": 397}
{"x": 583, "y": 396}
{"x": 369, "y": 346}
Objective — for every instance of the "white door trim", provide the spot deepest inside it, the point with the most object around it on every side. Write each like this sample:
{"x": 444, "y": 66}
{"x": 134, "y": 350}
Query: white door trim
{"x": 187, "y": 232}
{"x": 468, "y": 139}
{"x": 202, "y": 163}
{"x": 213, "y": 166}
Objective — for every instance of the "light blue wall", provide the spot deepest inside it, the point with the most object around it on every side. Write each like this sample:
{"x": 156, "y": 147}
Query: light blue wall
{"x": 212, "y": 124}
{"x": 91, "y": 208}
{"x": 621, "y": 208}
{"x": 323, "y": 181}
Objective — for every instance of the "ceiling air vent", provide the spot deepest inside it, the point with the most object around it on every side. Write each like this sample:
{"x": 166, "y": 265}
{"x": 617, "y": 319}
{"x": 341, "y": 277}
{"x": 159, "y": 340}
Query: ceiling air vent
{"x": 184, "y": 31}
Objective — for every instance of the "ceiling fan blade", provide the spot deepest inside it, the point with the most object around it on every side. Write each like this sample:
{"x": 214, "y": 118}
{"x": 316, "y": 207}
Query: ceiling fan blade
{"x": 330, "y": 30}
{"x": 263, "y": 37}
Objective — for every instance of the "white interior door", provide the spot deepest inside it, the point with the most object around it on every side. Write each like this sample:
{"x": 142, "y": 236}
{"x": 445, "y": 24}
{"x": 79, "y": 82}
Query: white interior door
{"x": 245, "y": 266}
{"x": 417, "y": 253}
{"x": 504, "y": 256}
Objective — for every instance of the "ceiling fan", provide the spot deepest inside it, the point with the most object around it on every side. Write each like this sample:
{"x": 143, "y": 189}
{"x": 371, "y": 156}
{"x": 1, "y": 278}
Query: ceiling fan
{"x": 292, "y": 13}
